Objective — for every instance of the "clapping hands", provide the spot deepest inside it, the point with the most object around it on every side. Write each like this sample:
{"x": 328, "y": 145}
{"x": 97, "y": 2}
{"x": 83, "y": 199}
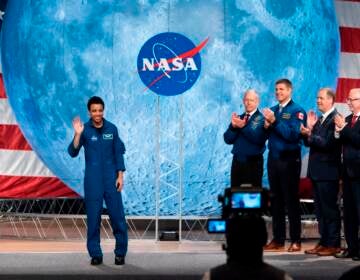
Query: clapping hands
{"x": 236, "y": 121}
{"x": 311, "y": 120}
{"x": 269, "y": 116}
{"x": 339, "y": 122}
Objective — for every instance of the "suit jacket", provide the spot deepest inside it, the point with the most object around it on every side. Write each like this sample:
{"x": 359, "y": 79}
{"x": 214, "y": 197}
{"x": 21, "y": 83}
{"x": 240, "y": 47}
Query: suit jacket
{"x": 249, "y": 140}
{"x": 350, "y": 139}
{"x": 325, "y": 151}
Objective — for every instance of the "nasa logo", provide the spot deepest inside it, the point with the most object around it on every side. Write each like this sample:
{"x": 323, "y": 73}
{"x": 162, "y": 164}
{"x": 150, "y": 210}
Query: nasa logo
{"x": 169, "y": 63}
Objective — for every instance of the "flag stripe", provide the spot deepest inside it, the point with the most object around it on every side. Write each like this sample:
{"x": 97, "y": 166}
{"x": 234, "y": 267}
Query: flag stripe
{"x": 342, "y": 108}
{"x": 347, "y": 13}
{"x": 357, "y": 1}
{"x": 343, "y": 87}
{"x": 22, "y": 163}
{"x": 11, "y": 138}
{"x": 2, "y": 88}
{"x": 22, "y": 173}
{"x": 350, "y": 39}
{"x": 33, "y": 187}
{"x": 6, "y": 115}
{"x": 349, "y": 66}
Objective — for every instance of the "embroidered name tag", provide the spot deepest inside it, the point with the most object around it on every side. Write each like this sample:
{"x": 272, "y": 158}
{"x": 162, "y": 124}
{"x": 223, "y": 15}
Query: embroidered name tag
{"x": 286, "y": 116}
{"x": 107, "y": 136}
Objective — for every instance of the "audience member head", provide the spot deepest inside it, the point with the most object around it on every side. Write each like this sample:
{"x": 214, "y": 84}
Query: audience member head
{"x": 353, "y": 273}
{"x": 246, "y": 236}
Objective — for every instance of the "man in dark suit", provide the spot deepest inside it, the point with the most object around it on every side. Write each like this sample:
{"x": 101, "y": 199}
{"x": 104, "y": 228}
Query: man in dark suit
{"x": 324, "y": 171}
{"x": 247, "y": 135}
{"x": 283, "y": 122}
{"x": 348, "y": 130}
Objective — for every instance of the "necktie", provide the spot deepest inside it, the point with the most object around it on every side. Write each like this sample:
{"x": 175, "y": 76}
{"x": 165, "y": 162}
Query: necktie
{"x": 321, "y": 119}
{"x": 280, "y": 108}
{"x": 246, "y": 118}
{"x": 353, "y": 120}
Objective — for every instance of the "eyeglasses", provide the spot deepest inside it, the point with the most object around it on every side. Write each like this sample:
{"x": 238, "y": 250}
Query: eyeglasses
{"x": 352, "y": 99}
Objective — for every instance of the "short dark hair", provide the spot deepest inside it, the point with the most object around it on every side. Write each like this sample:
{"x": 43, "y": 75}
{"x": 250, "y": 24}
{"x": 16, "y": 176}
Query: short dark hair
{"x": 95, "y": 100}
{"x": 330, "y": 93}
{"x": 287, "y": 82}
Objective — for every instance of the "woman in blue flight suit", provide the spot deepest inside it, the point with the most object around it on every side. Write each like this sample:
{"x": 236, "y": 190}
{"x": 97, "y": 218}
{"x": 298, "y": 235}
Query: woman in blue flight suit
{"x": 104, "y": 167}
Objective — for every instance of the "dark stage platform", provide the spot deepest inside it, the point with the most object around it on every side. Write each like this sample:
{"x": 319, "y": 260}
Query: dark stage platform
{"x": 26, "y": 259}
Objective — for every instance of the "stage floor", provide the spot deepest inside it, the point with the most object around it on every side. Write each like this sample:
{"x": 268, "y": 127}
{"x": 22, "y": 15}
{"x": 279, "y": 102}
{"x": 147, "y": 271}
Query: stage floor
{"x": 147, "y": 259}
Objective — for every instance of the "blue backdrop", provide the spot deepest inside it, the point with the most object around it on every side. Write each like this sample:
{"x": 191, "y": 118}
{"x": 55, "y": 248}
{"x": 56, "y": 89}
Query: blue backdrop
{"x": 56, "y": 54}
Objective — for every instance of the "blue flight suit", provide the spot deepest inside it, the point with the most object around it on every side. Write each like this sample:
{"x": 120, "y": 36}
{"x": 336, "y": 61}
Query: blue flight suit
{"x": 248, "y": 148}
{"x": 104, "y": 152}
{"x": 284, "y": 165}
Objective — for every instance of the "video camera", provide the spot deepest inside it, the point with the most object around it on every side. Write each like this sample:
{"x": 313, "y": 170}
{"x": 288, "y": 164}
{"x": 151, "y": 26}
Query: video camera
{"x": 239, "y": 201}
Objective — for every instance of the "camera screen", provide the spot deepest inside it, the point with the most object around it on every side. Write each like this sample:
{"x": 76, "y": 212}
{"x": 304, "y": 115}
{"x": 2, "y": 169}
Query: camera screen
{"x": 216, "y": 226}
{"x": 240, "y": 200}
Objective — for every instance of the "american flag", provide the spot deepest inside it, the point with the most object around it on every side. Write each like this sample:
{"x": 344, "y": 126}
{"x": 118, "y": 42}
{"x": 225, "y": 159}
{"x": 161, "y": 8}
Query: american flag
{"x": 348, "y": 15}
{"x": 23, "y": 174}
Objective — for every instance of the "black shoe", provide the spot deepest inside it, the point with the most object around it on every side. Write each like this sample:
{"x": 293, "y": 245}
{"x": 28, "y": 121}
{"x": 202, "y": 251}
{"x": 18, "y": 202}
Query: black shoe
{"x": 355, "y": 258}
{"x": 119, "y": 260}
{"x": 344, "y": 255}
{"x": 96, "y": 260}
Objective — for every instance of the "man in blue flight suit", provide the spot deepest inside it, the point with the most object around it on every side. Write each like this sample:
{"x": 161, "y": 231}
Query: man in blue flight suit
{"x": 104, "y": 168}
{"x": 283, "y": 123}
{"x": 324, "y": 171}
{"x": 248, "y": 136}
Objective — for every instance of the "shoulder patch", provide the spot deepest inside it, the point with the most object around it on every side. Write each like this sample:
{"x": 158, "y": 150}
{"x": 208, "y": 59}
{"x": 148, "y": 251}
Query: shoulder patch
{"x": 300, "y": 116}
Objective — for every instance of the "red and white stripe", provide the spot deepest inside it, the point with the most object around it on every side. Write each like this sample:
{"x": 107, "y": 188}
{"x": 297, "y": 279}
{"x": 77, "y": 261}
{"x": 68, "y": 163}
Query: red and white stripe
{"x": 22, "y": 173}
{"x": 348, "y": 15}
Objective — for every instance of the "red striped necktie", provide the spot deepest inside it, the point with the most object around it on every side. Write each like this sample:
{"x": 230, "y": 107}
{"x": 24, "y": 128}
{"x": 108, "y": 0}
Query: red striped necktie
{"x": 353, "y": 120}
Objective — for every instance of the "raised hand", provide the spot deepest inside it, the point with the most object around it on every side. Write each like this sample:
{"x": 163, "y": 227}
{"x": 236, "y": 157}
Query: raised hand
{"x": 311, "y": 119}
{"x": 78, "y": 125}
